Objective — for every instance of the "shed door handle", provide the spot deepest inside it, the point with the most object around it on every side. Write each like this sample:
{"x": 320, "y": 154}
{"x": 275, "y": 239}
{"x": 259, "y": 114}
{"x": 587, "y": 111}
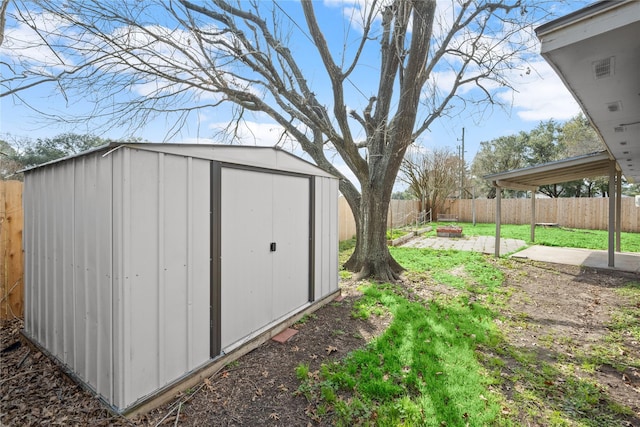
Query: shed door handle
{"x": 272, "y": 246}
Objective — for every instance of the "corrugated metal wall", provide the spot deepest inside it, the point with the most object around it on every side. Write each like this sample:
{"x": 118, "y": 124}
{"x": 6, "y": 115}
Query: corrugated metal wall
{"x": 68, "y": 301}
{"x": 161, "y": 269}
{"x": 326, "y": 236}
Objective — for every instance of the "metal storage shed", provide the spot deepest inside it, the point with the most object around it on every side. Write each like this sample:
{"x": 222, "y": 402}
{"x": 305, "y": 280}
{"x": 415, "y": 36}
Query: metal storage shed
{"x": 145, "y": 263}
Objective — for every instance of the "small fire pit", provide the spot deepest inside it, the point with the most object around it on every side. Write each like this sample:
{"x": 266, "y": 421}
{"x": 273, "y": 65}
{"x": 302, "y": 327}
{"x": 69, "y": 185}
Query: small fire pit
{"x": 449, "y": 231}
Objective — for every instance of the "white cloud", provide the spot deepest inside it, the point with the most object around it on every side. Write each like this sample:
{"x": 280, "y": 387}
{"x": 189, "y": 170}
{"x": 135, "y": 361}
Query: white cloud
{"x": 198, "y": 141}
{"x": 347, "y": 173}
{"x": 256, "y": 133}
{"x": 540, "y": 95}
{"x": 22, "y": 43}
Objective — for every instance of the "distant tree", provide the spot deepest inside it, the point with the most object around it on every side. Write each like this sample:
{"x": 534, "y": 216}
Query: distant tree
{"x": 402, "y": 195}
{"x": 432, "y": 176}
{"x": 8, "y": 163}
{"x": 578, "y": 137}
{"x": 43, "y": 150}
{"x": 543, "y": 147}
{"x": 542, "y": 144}
{"x": 499, "y": 155}
{"x": 631, "y": 189}
{"x": 547, "y": 142}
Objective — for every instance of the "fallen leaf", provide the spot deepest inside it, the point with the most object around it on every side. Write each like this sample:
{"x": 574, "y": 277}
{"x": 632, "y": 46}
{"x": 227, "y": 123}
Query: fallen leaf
{"x": 330, "y": 349}
{"x": 274, "y": 416}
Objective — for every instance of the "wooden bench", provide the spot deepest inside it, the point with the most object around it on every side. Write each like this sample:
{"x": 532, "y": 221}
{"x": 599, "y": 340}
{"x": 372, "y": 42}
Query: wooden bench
{"x": 447, "y": 217}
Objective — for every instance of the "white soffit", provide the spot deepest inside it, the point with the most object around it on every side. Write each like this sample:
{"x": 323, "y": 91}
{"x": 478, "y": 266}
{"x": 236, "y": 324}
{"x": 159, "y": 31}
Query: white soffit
{"x": 596, "y": 52}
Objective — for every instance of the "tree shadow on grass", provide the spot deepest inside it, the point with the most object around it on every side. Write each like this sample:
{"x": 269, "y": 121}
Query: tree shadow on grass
{"x": 444, "y": 361}
{"x": 421, "y": 371}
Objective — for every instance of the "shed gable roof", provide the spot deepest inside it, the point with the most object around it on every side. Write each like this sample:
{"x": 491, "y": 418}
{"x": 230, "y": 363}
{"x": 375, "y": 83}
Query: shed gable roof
{"x": 256, "y": 156}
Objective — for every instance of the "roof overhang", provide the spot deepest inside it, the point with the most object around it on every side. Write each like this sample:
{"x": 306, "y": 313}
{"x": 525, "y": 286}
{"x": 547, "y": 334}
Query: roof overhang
{"x": 596, "y": 52}
{"x": 574, "y": 168}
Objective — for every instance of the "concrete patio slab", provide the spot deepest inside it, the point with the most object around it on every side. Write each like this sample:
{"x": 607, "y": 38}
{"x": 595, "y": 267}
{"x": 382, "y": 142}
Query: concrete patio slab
{"x": 484, "y": 244}
{"x": 625, "y": 261}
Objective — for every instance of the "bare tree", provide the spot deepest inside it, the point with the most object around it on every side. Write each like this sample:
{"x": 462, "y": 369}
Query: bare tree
{"x": 3, "y": 12}
{"x": 432, "y": 176}
{"x": 191, "y": 56}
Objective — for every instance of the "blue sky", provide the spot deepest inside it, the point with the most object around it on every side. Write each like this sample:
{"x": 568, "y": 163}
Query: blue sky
{"x": 539, "y": 95}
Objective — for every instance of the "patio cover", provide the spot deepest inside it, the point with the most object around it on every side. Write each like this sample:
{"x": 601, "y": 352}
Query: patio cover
{"x": 571, "y": 169}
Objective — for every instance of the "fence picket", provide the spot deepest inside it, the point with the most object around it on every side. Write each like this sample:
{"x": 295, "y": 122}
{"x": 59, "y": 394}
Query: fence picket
{"x": 11, "y": 258}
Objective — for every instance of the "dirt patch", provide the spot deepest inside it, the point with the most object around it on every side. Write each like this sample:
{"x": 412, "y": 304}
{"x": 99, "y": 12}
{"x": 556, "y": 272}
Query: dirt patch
{"x": 563, "y": 310}
{"x": 562, "y": 313}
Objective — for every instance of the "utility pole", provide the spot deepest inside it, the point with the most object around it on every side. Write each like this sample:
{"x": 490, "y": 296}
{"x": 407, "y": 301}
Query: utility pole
{"x": 462, "y": 165}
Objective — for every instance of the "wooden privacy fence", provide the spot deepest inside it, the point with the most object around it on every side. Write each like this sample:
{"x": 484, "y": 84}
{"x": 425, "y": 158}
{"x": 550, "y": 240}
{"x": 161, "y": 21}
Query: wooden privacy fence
{"x": 401, "y": 213}
{"x": 590, "y": 213}
{"x": 11, "y": 259}
{"x": 586, "y": 213}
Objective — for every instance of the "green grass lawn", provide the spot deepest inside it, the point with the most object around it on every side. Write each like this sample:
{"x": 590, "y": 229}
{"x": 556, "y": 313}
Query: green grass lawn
{"x": 440, "y": 362}
{"x": 396, "y": 233}
{"x": 553, "y": 236}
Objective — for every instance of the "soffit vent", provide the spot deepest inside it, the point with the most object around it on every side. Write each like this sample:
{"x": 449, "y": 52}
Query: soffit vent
{"x": 603, "y": 68}
{"x": 614, "y": 106}
{"x": 618, "y": 129}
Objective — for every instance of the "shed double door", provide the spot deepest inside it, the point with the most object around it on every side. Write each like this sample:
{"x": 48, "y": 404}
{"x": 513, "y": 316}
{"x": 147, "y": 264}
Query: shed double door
{"x": 265, "y": 241}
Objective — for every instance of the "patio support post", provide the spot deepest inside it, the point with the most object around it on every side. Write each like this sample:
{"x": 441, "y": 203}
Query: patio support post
{"x": 533, "y": 215}
{"x": 473, "y": 204}
{"x": 612, "y": 212}
{"x": 618, "y": 208}
{"x": 498, "y": 216}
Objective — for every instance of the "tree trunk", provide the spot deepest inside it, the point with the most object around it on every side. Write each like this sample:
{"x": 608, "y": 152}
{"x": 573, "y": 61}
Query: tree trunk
{"x": 371, "y": 257}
